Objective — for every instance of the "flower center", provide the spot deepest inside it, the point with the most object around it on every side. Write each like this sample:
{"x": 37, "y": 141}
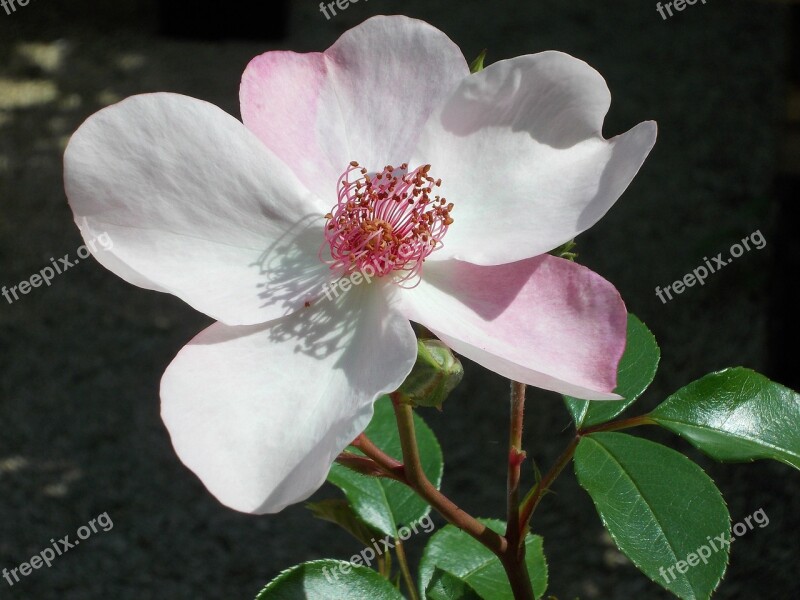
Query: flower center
{"x": 387, "y": 222}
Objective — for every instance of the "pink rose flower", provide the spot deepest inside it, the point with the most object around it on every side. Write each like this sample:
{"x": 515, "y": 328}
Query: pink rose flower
{"x": 381, "y": 167}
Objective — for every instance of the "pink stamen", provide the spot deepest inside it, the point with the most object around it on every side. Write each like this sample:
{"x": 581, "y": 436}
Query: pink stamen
{"x": 386, "y": 223}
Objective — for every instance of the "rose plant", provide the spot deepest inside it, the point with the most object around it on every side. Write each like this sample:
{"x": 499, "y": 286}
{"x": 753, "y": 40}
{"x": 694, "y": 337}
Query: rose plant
{"x": 429, "y": 191}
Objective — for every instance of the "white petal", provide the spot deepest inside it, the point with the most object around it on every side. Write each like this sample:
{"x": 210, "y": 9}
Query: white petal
{"x": 544, "y": 321}
{"x": 366, "y": 98}
{"x": 520, "y": 150}
{"x": 259, "y": 413}
{"x": 196, "y": 206}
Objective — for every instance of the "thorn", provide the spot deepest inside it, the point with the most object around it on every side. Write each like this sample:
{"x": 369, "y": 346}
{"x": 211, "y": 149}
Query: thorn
{"x": 516, "y": 457}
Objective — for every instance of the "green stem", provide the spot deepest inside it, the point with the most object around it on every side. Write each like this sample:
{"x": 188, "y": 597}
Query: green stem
{"x": 401, "y": 558}
{"x": 417, "y": 480}
{"x": 382, "y": 567}
{"x": 533, "y": 497}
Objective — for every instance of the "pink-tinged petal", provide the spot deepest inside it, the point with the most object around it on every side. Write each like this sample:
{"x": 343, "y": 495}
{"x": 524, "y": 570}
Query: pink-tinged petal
{"x": 194, "y": 205}
{"x": 365, "y": 99}
{"x": 260, "y": 413}
{"x": 520, "y": 151}
{"x": 544, "y": 321}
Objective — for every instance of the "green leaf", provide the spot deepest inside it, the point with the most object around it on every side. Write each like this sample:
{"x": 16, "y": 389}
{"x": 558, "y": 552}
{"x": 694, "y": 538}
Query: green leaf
{"x": 444, "y": 586}
{"x": 384, "y": 504}
{"x": 477, "y": 65}
{"x": 455, "y": 552}
{"x": 341, "y": 513}
{"x": 325, "y": 580}
{"x": 736, "y": 415}
{"x": 637, "y": 368}
{"x": 659, "y": 508}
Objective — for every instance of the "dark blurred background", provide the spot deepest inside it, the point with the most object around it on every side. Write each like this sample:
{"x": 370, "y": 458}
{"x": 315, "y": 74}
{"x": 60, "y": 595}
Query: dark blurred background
{"x": 80, "y": 361}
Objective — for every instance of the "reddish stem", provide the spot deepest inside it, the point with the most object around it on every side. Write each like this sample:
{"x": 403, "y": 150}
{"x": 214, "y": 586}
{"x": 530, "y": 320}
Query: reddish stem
{"x": 366, "y": 466}
{"x": 418, "y": 481}
{"x": 514, "y": 561}
{"x": 533, "y": 497}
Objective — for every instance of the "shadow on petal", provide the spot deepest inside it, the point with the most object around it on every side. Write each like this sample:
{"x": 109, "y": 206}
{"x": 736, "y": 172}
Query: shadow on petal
{"x": 293, "y": 277}
{"x": 501, "y": 284}
{"x": 529, "y": 94}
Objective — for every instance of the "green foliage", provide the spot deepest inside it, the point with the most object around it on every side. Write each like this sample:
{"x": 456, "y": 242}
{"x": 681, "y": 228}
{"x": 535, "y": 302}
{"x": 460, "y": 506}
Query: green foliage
{"x": 382, "y": 504}
{"x": 324, "y": 580}
{"x": 659, "y": 507}
{"x": 736, "y": 415}
{"x": 453, "y": 551}
{"x": 341, "y": 513}
{"x": 444, "y": 586}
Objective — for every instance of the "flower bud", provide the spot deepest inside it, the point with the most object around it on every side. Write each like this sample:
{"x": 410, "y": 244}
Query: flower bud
{"x": 435, "y": 374}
